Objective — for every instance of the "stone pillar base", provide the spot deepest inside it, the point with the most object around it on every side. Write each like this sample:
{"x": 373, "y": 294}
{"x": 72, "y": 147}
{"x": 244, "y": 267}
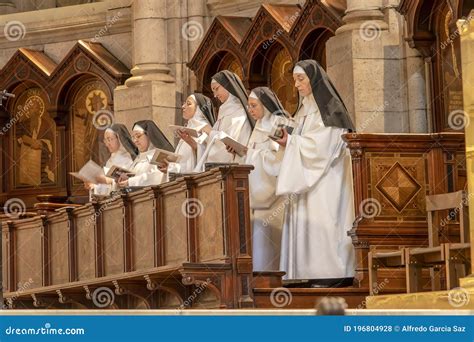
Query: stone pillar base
{"x": 154, "y": 100}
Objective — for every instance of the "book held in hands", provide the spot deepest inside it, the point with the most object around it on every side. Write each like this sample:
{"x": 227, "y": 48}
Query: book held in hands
{"x": 193, "y": 132}
{"x": 116, "y": 172}
{"x": 234, "y": 144}
{"x": 89, "y": 173}
{"x": 161, "y": 155}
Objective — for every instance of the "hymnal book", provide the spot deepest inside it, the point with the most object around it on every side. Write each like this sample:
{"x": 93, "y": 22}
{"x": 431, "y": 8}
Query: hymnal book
{"x": 282, "y": 122}
{"x": 236, "y": 146}
{"x": 89, "y": 173}
{"x": 161, "y": 155}
{"x": 193, "y": 132}
{"x": 116, "y": 172}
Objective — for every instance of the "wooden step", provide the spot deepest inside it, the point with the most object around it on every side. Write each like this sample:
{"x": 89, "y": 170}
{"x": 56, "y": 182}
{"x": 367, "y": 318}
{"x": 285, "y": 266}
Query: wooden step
{"x": 306, "y": 298}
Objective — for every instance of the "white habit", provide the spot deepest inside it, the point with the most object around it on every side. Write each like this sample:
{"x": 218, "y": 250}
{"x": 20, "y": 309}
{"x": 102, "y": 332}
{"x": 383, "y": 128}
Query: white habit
{"x": 146, "y": 174}
{"x": 122, "y": 159}
{"x": 316, "y": 177}
{"x": 187, "y": 163}
{"x": 232, "y": 119}
{"x": 267, "y": 208}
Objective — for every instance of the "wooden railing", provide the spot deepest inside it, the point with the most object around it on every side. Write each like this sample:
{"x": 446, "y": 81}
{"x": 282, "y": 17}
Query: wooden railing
{"x": 153, "y": 247}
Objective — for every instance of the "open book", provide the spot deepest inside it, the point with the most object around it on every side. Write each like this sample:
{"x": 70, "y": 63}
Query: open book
{"x": 160, "y": 155}
{"x": 193, "y": 132}
{"x": 238, "y": 147}
{"x": 89, "y": 172}
{"x": 116, "y": 172}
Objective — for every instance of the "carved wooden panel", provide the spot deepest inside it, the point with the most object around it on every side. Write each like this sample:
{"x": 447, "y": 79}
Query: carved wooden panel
{"x": 174, "y": 232}
{"x": 28, "y": 256}
{"x": 114, "y": 238}
{"x": 41, "y": 130}
{"x": 398, "y": 183}
{"x": 281, "y": 80}
{"x": 85, "y": 239}
{"x": 58, "y": 235}
{"x": 143, "y": 232}
{"x": 33, "y": 141}
{"x": 91, "y": 100}
{"x": 210, "y": 225}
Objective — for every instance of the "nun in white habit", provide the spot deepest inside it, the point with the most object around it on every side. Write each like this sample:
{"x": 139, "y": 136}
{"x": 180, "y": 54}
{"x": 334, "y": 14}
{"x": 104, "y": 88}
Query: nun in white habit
{"x": 198, "y": 112}
{"x": 147, "y": 137}
{"x": 233, "y": 119}
{"x": 265, "y": 155}
{"x": 122, "y": 151}
{"x": 316, "y": 177}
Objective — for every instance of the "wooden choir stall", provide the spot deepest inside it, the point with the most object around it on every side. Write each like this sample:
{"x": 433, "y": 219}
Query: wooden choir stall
{"x": 153, "y": 247}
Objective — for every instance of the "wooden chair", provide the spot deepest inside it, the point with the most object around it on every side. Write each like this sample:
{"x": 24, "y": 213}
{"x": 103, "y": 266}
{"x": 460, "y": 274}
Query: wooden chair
{"x": 452, "y": 258}
{"x": 383, "y": 258}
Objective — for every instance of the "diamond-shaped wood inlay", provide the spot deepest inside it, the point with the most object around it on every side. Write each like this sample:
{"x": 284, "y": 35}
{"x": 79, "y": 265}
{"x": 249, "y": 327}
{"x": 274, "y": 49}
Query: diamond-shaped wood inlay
{"x": 398, "y": 186}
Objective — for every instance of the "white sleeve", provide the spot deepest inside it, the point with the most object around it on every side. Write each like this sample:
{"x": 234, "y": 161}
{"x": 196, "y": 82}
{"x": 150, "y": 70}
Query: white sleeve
{"x": 309, "y": 156}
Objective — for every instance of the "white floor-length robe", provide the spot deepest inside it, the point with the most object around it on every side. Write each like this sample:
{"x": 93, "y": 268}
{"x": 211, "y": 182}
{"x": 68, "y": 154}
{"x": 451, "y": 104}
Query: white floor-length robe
{"x": 316, "y": 177}
{"x": 146, "y": 174}
{"x": 267, "y": 208}
{"x": 232, "y": 119}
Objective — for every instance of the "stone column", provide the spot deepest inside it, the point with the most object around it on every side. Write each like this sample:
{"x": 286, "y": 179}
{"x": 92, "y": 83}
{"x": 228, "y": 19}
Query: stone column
{"x": 151, "y": 91}
{"x": 186, "y": 28}
{"x": 416, "y": 91}
{"x": 365, "y": 60}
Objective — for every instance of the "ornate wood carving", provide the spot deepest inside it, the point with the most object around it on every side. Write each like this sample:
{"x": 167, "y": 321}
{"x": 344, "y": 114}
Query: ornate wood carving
{"x": 254, "y": 45}
{"x": 40, "y": 114}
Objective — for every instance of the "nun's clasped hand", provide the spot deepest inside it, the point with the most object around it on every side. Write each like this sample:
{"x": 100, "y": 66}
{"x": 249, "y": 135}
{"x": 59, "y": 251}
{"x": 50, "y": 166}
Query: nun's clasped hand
{"x": 284, "y": 139}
